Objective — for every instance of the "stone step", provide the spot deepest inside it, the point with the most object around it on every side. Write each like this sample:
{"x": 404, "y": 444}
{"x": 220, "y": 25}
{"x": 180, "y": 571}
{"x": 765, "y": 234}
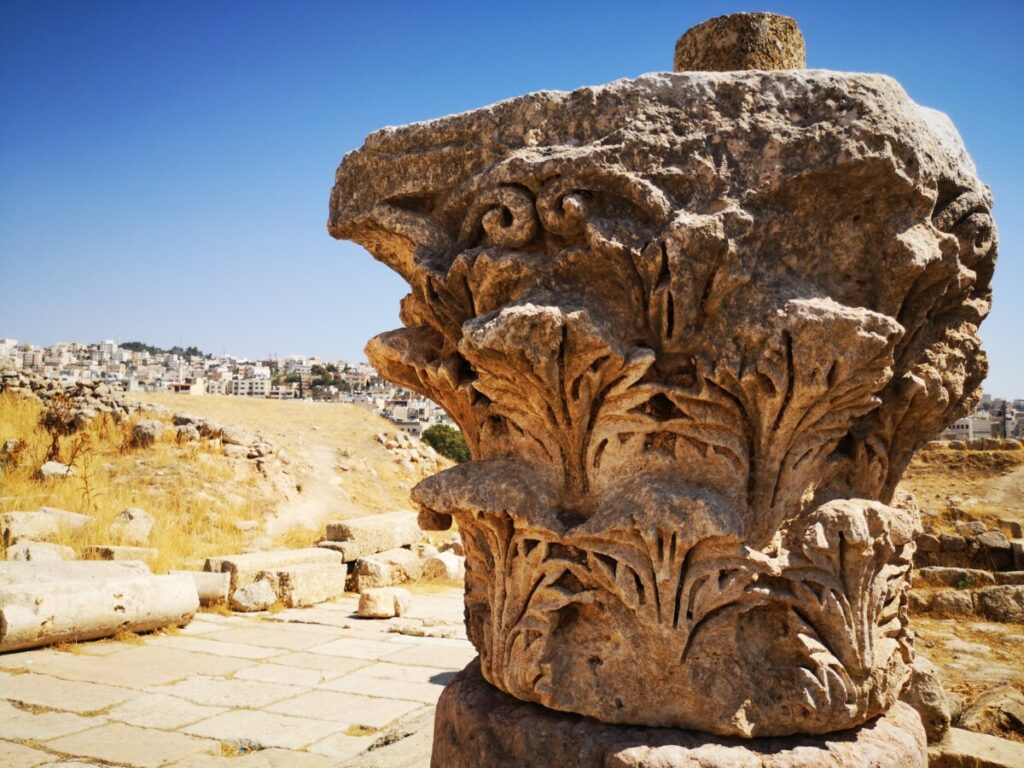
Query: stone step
{"x": 963, "y": 748}
{"x": 376, "y": 533}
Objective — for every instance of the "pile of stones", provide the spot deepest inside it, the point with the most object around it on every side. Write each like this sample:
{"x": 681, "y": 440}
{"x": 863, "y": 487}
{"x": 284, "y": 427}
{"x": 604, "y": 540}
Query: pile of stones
{"x": 410, "y": 453}
{"x": 370, "y": 555}
{"x": 88, "y": 398}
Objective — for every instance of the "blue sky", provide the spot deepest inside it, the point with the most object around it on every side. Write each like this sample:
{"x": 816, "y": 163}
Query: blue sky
{"x": 165, "y": 167}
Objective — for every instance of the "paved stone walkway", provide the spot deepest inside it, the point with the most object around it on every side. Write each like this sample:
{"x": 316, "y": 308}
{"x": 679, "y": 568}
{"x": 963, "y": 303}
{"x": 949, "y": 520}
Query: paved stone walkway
{"x": 302, "y": 688}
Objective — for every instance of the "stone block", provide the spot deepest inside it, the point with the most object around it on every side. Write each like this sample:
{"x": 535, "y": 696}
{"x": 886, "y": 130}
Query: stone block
{"x": 376, "y": 533}
{"x": 244, "y": 568}
{"x": 40, "y": 525}
{"x": 1001, "y": 603}
{"x": 384, "y": 603}
{"x": 113, "y": 552}
{"x": 943, "y": 603}
{"x": 477, "y": 725}
{"x": 1017, "y": 547}
{"x": 39, "y": 551}
{"x": 307, "y": 584}
{"x": 994, "y": 540}
{"x": 951, "y": 542}
{"x": 132, "y": 525}
{"x": 385, "y": 569}
{"x": 1009, "y": 577}
{"x": 966, "y": 749}
{"x": 944, "y": 576}
{"x": 927, "y": 542}
{"x": 445, "y": 566}
{"x": 256, "y": 595}
{"x": 925, "y": 694}
{"x": 211, "y": 587}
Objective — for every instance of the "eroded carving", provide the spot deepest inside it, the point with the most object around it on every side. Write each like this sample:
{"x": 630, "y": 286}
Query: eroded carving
{"x": 693, "y": 327}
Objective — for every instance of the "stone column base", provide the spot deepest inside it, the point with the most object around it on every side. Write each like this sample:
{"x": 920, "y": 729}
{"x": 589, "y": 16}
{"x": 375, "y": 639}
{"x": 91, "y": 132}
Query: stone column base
{"x": 478, "y": 726}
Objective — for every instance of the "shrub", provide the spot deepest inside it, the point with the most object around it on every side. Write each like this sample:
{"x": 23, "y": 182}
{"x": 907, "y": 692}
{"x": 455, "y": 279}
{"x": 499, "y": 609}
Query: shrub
{"x": 447, "y": 441}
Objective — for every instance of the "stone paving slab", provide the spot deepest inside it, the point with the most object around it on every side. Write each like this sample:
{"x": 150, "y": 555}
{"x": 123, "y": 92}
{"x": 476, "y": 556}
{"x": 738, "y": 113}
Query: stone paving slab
{"x": 137, "y": 747}
{"x": 66, "y": 695}
{"x": 157, "y": 710}
{"x": 19, "y": 756}
{"x": 267, "y": 729}
{"x": 219, "y": 692}
{"x": 265, "y": 758}
{"x": 23, "y": 725}
{"x": 345, "y": 708}
{"x": 293, "y": 681}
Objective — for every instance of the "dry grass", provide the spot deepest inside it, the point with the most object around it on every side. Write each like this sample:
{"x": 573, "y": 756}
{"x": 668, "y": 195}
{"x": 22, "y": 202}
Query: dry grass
{"x": 190, "y": 490}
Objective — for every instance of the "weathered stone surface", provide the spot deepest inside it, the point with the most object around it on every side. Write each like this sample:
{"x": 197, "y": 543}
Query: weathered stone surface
{"x": 966, "y": 749}
{"x": 132, "y": 526}
{"x": 39, "y": 551}
{"x": 114, "y": 552}
{"x": 54, "y": 470}
{"x": 924, "y": 692}
{"x": 46, "y": 522}
{"x": 477, "y": 725}
{"x": 763, "y": 41}
{"x": 376, "y": 533}
{"x": 55, "y": 602}
{"x": 942, "y": 576}
{"x": 994, "y": 540}
{"x": 231, "y": 435}
{"x": 444, "y": 566}
{"x": 693, "y": 327}
{"x": 1001, "y": 603}
{"x": 943, "y": 603}
{"x": 147, "y": 432}
{"x": 384, "y": 602}
{"x": 384, "y": 569}
{"x": 211, "y": 587}
{"x": 257, "y": 595}
{"x": 244, "y": 568}
{"x": 998, "y": 712}
{"x": 307, "y": 584}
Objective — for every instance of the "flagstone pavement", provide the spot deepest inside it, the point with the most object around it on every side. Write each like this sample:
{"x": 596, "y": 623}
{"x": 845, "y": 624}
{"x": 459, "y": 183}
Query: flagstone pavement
{"x": 301, "y": 688}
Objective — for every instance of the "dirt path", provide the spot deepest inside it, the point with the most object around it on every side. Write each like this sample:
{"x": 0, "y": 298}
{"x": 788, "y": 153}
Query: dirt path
{"x": 1007, "y": 494}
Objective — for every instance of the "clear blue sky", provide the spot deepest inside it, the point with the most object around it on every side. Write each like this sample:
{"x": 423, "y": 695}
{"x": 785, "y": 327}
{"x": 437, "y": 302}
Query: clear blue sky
{"x": 165, "y": 167}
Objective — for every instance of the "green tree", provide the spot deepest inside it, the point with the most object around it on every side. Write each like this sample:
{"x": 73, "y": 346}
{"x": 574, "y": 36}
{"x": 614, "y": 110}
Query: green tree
{"x": 447, "y": 441}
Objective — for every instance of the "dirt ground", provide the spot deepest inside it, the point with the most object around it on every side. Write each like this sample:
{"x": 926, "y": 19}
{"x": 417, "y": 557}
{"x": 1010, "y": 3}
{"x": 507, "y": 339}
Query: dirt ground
{"x": 336, "y": 467}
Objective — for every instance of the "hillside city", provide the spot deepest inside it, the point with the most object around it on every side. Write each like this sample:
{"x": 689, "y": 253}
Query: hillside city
{"x": 137, "y": 367}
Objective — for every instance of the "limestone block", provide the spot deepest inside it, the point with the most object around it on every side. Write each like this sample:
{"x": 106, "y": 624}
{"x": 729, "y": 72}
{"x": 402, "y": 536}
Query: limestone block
{"x": 966, "y": 749}
{"x": 375, "y": 533}
{"x": 113, "y": 552}
{"x": 39, "y": 551}
{"x": 257, "y": 595}
{"x": 444, "y": 566}
{"x": 51, "y": 605}
{"x": 211, "y": 587}
{"x": 244, "y": 568}
{"x": 384, "y": 603}
{"x": 132, "y": 525}
{"x": 308, "y": 583}
{"x": 943, "y": 576}
{"x": 994, "y": 540}
{"x": 924, "y": 692}
{"x": 54, "y": 470}
{"x": 42, "y": 524}
{"x": 1001, "y": 603}
{"x": 942, "y": 603}
{"x": 476, "y": 725}
{"x": 998, "y": 711}
{"x": 1009, "y": 577}
{"x": 349, "y": 550}
{"x": 1017, "y": 546}
{"x": 384, "y": 569}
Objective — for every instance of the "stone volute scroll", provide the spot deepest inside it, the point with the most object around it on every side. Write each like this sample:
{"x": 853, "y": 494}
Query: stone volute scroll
{"x": 693, "y": 326}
